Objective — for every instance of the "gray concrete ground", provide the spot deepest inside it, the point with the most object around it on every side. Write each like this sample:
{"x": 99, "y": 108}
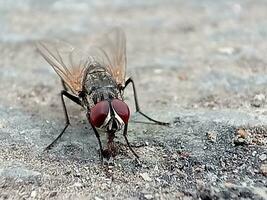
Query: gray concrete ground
{"x": 200, "y": 65}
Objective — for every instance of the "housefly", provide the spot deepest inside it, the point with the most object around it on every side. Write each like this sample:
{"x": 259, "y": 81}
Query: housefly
{"x": 96, "y": 81}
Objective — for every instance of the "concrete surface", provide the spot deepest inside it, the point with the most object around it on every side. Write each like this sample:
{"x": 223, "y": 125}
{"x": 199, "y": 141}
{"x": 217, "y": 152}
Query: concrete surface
{"x": 199, "y": 64}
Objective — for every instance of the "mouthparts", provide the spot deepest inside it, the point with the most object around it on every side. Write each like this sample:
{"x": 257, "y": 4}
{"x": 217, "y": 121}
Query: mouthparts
{"x": 113, "y": 126}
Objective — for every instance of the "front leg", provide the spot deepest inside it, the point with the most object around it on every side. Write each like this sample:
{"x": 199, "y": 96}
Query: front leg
{"x": 137, "y": 107}
{"x": 98, "y": 138}
{"x": 67, "y": 121}
{"x": 127, "y": 141}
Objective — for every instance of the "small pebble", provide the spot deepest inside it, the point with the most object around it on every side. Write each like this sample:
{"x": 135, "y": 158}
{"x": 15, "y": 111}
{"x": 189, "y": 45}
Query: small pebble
{"x": 212, "y": 136}
{"x": 209, "y": 167}
{"x": 242, "y": 133}
{"x": 146, "y": 177}
{"x": 259, "y": 97}
{"x": 226, "y": 50}
{"x": 242, "y": 137}
{"x": 254, "y": 153}
{"x": 263, "y": 169}
{"x": 33, "y": 194}
{"x": 158, "y": 71}
{"x": 148, "y": 196}
{"x": 258, "y": 100}
{"x": 263, "y": 157}
{"x": 2, "y": 125}
{"x": 77, "y": 184}
{"x": 239, "y": 141}
{"x": 53, "y": 194}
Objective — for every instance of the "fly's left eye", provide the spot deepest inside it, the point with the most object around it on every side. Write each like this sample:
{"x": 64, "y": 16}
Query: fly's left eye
{"x": 121, "y": 109}
{"x": 99, "y": 113}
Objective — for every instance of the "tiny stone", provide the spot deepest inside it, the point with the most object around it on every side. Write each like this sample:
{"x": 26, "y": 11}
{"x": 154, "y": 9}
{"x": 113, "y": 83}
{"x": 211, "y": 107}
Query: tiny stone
{"x": 263, "y": 169}
{"x": 239, "y": 141}
{"x": 212, "y": 136}
{"x": 258, "y": 100}
{"x": 226, "y": 50}
{"x": 259, "y": 97}
{"x": 3, "y": 196}
{"x": 263, "y": 157}
{"x": 52, "y": 194}
{"x": 229, "y": 185}
{"x": 174, "y": 156}
{"x": 242, "y": 137}
{"x": 235, "y": 171}
{"x": 148, "y": 196}
{"x": 198, "y": 169}
{"x": 242, "y": 133}
{"x": 2, "y": 125}
{"x": 77, "y": 184}
{"x": 199, "y": 183}
{"x": 146, "y": 177}
{"x": 158, "y": 71}
{"x": 97, "y": 198}
{"x": 209, "y": 167}
{"x": 254, "y": 153}
{"x": 33, "y": 194}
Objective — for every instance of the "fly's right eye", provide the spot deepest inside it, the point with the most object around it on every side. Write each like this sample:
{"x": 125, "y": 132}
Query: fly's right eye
{"x": 99, "y": 113}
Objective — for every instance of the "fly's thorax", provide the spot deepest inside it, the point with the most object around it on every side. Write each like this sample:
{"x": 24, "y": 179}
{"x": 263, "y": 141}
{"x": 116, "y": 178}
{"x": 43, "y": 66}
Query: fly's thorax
{"x": 109, "y": 115}
{"x": 100, "y": 85}
{"x": 98, "y": 77}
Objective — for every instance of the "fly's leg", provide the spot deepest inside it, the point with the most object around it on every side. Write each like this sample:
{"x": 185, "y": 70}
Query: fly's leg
{"x": 137, "y": 107}
{"x": 67, "y": 121}
{"x": 99, "y": 142}
{"x": 127, "y": 141}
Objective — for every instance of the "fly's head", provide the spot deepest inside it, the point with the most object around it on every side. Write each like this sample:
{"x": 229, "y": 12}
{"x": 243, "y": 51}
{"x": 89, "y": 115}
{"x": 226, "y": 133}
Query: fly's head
{"x": 110, "y": 116}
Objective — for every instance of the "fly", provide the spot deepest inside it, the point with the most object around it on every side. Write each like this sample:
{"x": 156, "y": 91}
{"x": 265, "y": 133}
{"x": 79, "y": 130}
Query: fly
{"x": 96, "y": 81}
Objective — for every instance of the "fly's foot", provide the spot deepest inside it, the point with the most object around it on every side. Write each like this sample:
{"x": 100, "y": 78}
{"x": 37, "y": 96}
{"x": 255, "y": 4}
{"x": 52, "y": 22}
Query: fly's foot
{"x": 137, "y": 162}
{"x": 108, "y": 162}
{"x": 48, "y": 148}
{"x": 132, "y": 145}
{"x": 106, "y": 156}
{"x": 164, "y": 123}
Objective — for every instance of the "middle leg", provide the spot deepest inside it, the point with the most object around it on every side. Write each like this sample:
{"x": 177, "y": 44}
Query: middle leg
{"x": 137, "y": 107}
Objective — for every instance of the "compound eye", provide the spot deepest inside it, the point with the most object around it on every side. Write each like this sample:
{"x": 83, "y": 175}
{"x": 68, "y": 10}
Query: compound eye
{"x": 121, "y": 109}
{"x": 99, "y": 113}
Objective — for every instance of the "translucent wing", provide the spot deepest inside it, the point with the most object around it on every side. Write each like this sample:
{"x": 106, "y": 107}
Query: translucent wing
{"x": 112, "y": 47}
{"x": 69, "y": 63}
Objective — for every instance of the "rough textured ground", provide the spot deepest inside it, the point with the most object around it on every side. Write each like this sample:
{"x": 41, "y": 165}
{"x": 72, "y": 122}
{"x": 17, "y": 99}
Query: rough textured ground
{"x": 199, "y": 64}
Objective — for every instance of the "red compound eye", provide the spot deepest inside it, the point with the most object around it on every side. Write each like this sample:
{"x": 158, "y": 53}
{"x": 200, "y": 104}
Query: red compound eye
{"x": 121, "y": 109}
{"x": 99, "y": 113}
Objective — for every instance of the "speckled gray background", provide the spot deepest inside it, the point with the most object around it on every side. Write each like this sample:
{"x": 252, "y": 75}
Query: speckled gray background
{"x": 199, "y": 64}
